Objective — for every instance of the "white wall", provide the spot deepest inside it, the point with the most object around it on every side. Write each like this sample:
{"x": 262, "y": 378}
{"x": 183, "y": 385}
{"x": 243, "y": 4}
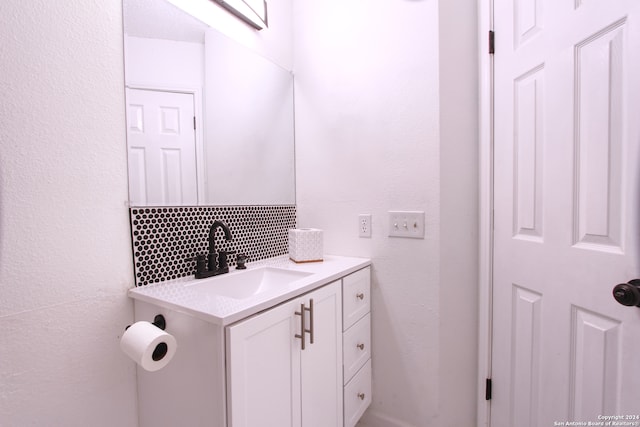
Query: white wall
{"x": 385, "y": 120}
{"x": 65, "y": 251}
{"x": 164, "y": 63}
{"x": 249, "y": 150}
{"x": 459, "y": 163}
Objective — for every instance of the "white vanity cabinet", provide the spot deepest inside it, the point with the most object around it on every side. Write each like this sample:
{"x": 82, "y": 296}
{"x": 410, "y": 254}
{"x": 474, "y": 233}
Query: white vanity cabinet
{"x": 249, "y": 368}
{"x": 272, "y": 379}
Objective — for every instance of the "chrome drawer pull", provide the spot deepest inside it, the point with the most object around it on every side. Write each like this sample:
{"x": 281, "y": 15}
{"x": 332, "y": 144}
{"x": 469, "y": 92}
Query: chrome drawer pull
{"x": 360, "y": 346}
{"x": 361, "y": 396}
{"x": 310, "y": 330}
{"x": 302, "y": 324}
{"x": 360, "y": 296}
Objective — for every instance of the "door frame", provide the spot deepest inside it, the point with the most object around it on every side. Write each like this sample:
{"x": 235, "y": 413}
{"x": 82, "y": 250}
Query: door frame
{"x": 485, "y": 225}
{"x": 199, "y": 131}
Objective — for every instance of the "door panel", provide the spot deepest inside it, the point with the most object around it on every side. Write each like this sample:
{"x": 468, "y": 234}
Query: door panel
{"x": 595, "y": 350}
{"x": 321, "y": 362}
{"x": 598, "y": 139}
{"x": 528, "y": 161}
{"x": 161, "y": 143}
{"x": 263, "y": 369}
{"x": 525, "y": 371}
{"x": 566, "y": 210}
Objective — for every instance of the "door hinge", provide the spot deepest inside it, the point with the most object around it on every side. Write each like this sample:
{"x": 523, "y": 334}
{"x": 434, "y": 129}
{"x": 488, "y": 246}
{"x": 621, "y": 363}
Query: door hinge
{"x": 492, "y": 42}
{"x": 487, "y": 389}
{"x": 194, "y": 122}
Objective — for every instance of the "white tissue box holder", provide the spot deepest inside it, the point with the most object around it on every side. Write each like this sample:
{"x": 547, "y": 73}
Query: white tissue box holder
{"x": 305, "y": 245}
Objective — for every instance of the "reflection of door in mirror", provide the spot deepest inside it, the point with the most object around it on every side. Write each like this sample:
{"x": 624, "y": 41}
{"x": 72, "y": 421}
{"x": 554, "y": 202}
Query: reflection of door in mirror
{"x": 243, "y": 103}
{"x": 161, "y": 145}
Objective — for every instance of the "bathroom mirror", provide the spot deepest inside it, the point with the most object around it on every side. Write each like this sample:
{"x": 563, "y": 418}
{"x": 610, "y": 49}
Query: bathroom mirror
{"x": 209, "y": 122}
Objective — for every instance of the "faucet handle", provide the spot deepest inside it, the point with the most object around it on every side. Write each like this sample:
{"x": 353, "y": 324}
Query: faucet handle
{"x": 241, "y": 259}
{"x": 222, "y": 258}
{"x": 201, "y": 263}
{"x": 197, "y": 258}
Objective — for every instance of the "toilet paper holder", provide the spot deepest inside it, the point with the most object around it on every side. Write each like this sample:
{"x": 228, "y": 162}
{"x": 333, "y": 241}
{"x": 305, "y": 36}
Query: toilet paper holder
{"x": 161, "y": 350}
{"x": 147, "y": 345}
{"x": 158, "y": 321}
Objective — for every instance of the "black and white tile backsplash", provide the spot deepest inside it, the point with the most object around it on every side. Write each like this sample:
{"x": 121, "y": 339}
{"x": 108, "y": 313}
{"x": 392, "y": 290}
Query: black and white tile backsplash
{"x": 166, "y": 239}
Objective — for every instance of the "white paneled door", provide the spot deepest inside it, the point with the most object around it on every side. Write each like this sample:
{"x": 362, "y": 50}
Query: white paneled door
{"x": 161, "y": 148}
{"x": 566, "y": 212}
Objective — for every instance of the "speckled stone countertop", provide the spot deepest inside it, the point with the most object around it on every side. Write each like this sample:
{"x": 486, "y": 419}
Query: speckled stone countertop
{"x": 180, "y": 295}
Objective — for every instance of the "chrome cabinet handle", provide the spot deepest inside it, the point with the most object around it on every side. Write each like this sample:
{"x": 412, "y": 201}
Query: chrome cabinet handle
{"x": 360, "y": 346}
{"x": 360, "y": 296}
{"x": 361, "y": 396}
{"x": 302, "y": 324}
{"x": 311, "y": 329}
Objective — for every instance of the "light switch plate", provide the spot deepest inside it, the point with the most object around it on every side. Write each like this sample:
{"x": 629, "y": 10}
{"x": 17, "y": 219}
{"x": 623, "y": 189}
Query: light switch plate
{"x": 406, "y": 224}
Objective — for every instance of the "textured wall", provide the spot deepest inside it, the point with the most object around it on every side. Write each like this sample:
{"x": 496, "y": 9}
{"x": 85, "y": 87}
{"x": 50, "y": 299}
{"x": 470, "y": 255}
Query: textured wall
{"x": 65, "y": 251}
{"x": 382, "y": 124}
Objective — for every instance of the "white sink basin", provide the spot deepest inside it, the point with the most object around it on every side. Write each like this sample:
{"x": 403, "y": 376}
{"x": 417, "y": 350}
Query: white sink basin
{"x": 245, "y": 284}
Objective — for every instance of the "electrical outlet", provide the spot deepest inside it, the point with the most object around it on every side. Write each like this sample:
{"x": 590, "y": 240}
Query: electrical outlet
{"x": 406, "y": 224}
{"x": 364, "y": 225}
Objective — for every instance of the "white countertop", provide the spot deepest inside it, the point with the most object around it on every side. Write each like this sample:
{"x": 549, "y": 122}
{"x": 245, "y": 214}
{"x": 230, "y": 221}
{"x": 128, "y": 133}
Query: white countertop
{"x": 177, "y": 295}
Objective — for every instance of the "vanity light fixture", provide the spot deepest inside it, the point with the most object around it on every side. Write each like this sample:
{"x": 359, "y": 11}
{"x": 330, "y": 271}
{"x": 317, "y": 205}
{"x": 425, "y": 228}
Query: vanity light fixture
{"x": 253, "y": 12}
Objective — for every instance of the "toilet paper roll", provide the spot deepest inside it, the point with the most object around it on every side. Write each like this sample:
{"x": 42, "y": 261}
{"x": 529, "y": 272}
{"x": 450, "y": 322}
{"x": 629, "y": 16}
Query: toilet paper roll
{"x": 148, "y": 346}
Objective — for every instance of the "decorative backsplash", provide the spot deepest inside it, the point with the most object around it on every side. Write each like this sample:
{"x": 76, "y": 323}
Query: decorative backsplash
{"x": 166, "y": 239}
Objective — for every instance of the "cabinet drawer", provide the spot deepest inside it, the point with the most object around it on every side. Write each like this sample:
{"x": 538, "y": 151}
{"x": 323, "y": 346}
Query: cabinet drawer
{"x": 357, "y": 395}
{"x": 356, "y": 347}
{"x": 356, "y": 299}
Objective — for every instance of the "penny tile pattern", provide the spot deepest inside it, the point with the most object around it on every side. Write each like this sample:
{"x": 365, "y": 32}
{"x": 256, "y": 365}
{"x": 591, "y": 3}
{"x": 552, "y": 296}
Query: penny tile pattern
{"x": 167, "y": 239}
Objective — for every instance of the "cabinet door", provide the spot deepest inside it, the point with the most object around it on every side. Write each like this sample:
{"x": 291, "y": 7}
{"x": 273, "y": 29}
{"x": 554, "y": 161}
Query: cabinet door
{"x": 321, "y": 362}
{"x": 263, "y": 369}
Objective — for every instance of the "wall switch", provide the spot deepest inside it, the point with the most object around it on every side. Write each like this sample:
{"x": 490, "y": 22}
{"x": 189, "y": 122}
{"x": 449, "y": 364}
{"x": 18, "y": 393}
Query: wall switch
{"x": 364, "y": 225}
{"x": 406, "y": 224}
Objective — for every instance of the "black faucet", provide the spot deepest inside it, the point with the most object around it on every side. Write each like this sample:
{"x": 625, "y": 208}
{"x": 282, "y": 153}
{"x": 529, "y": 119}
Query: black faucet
{"x": 206, "y": 265}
